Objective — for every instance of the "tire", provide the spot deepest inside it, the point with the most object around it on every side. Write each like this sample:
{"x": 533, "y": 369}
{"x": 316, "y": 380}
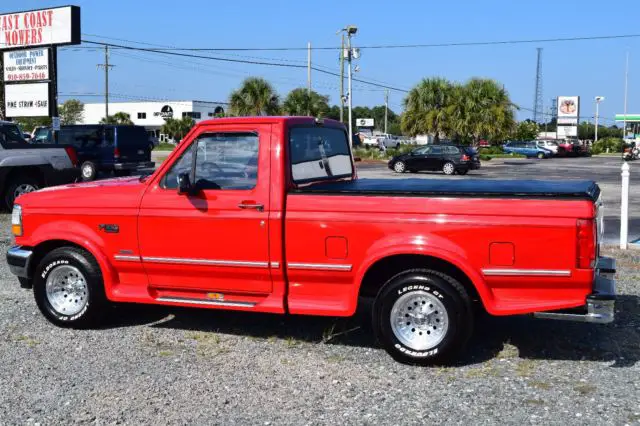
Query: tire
{"x": 449, "y": 168}
{"x": 79, "y": 307}
{"x": 88, "y": 171}
{"x": 463, "y": 172}
{"x": 19, "y": 185}
{"x": 451, "y": 314}
{"x": 399, "y": 167}
{"x": 541, "y": 156}
{"x": 397, "y": 146}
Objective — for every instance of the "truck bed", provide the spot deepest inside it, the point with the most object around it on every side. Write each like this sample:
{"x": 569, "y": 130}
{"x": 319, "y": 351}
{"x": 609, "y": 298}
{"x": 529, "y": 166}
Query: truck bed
{"x": 480, "y": 188}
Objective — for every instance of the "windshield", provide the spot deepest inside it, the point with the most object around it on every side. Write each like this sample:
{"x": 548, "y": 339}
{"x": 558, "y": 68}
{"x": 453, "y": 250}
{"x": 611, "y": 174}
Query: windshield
{"x": 10, "y": 133}
{"x": 319, "y": 154}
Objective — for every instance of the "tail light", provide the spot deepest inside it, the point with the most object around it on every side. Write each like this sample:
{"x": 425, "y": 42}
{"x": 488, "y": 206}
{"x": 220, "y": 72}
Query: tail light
{"x": 71, "y": 153}
{"x": 465, "y": 157}
{"x": 586, "y": 250}
{"x": 116, "y": 152}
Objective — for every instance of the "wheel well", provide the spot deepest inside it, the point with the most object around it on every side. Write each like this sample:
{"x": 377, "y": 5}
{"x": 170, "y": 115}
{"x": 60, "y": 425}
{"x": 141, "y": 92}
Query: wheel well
{"x": 43, "y": 248}
{"x": 384, "y": 269}
{"x": 32, "y": 171}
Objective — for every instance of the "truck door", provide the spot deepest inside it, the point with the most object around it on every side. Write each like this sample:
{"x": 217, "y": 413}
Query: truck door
{"x": 216, "y": 239}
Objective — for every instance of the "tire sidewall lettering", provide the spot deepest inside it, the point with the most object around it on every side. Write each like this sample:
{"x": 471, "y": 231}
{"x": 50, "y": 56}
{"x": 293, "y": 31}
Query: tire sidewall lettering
{"x": 52, "y": 265}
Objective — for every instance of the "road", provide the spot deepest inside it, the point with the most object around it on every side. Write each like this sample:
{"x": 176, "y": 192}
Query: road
{"x": 604, "y": 170}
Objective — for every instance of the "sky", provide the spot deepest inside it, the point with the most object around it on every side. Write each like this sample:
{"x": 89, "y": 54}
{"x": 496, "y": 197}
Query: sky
{"x": 583, "y": 68}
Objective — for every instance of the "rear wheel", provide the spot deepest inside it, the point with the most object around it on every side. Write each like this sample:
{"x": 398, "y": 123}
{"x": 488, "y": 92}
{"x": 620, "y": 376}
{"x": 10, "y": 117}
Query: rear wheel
{"x": 22, "y": 184}
{"x": 448, "y": 168}
{"x": 422, "y": 317}
{"x": 88, "y": 171}
{"x": 540, "y": 155}
{"x": 399, "y": 167}
{"x": 69, "y": 289}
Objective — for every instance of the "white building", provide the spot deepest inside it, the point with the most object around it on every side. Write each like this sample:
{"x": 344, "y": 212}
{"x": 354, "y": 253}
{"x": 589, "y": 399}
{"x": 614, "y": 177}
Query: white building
{"x": 152, "y": 115}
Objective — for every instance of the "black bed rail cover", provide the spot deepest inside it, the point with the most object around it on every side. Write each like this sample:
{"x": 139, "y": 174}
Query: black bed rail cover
{"x": 481, "y": 188}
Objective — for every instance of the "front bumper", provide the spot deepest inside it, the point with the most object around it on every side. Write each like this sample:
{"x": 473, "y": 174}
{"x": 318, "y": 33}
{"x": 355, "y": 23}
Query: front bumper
{"x": 600, "y": 304}
{"x": 19, "y": 259}
{"x": 134, "y": 166}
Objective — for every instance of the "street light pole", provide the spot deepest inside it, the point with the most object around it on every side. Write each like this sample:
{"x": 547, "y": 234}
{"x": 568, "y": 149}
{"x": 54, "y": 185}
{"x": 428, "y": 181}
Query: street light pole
{"x": 598, "y": 99}
{"x": 342, "y": 80}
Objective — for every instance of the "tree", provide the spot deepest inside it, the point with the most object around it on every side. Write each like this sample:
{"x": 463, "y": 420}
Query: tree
{"x": 426, "y": 108}
{"x": 71, "y": 112}
{"x": 334, "y": 112}
{"x": 302, "y": 102}
{"x": 121, "y": 118}
{"x": 29, "y": 123}
{"x": 254, "y": 97}
{"x": 177, "y": 129}
{"x": 526, "y": 131}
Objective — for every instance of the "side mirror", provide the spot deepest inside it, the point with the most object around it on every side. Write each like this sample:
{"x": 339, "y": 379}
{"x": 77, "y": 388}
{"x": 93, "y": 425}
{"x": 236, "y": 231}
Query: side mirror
{"x": 184, "y": 184}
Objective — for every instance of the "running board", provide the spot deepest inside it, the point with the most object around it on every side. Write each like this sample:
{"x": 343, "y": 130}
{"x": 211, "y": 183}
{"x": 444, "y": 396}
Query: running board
{"x": 187, "y": 301}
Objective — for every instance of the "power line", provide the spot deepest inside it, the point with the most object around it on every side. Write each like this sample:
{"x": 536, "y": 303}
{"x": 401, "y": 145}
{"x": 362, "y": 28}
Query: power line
{"x": 389, "y": 46}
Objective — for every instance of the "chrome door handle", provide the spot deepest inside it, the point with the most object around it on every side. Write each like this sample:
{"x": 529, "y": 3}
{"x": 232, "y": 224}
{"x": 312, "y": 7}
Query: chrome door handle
{"x": 246, "y": 206}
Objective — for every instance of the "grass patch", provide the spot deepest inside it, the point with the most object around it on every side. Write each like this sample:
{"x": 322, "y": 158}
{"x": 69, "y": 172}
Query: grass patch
{"x": 165, "y": 353}
{"x": 484, "y": 371}
{"x": 27, "y": 340}
{"x": 165, "y": 147}
{"x": 525, "y": 368}
{"x": 534, "y": 402}
{"x": 508, "y": 351}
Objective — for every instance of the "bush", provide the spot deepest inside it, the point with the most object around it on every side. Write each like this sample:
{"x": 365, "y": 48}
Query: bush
{"x": 489, "y": 150}
{"x": 613, "y": 144}
{"x": 485, "y": 157}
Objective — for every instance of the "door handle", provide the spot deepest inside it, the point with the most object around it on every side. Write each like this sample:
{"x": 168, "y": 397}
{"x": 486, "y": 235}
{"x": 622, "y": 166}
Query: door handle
{"x": 245, "y": 205}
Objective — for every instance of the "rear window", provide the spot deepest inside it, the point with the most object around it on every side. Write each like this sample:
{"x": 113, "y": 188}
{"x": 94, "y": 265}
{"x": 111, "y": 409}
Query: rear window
{"x": 132, "y": 135}
{"x": 319, "y": 154}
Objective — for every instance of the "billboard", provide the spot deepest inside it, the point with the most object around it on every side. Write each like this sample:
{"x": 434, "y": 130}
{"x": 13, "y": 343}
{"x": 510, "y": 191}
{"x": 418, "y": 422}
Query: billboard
{"x": 568, "y": 107}
{"x": 26, "y": 65}
{"x": 27, "y": 100}
{"x": 567, "y": 132}
{"x": 364, "y": 122}
{"x": 56, "y": 26}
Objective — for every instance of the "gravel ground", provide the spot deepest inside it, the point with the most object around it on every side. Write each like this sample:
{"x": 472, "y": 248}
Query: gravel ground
{"x": 178, "y": 366}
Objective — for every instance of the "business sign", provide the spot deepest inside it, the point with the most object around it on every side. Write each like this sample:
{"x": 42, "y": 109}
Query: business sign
{"x": 27, "y": 100}
{"x": 165, "y": 112}
{"x": 26, "y": 65}
{"x": 567, "y": 131}
{"x": 568, "y": 120}
{"x": 364, "y": 122}
{"x": 57, "y": 26}
{"x": 568, "y": 107}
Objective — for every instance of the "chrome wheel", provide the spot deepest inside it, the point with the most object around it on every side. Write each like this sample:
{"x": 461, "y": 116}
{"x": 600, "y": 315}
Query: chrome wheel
{"x": 87, "y": 171}
{"x": 24, "y": 188}
{"x": 419, "y": 320}
{"x": 448, "y": 169}
{"x": 67, "y": 290}
{"x": 399, "y": 167}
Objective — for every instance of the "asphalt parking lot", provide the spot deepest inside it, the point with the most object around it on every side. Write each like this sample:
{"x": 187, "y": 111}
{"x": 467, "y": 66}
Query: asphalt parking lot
{"x": 184, "y": 366}
{"x": 604, "y": 170}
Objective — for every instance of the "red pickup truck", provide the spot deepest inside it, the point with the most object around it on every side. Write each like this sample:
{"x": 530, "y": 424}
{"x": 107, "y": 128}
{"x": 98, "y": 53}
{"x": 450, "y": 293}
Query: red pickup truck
{"x": 266, "y": 214}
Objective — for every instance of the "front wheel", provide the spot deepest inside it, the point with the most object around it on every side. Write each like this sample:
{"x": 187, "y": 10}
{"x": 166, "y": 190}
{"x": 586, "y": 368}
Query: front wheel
{"x": 88, "y": 171}
{"x": 448, "y": 168}
{"x": 541, "y": 155}
{"x": 422, "y": 317}
{"x": 399, "y": 167}
{"x": 69, "y": 289}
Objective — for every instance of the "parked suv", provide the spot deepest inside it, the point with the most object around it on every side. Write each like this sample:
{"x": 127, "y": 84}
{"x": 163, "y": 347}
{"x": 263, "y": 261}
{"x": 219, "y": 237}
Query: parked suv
{"x": 104, "y": 148}
{"x": 448, "y": 158}
{"x": 529, "y": 149}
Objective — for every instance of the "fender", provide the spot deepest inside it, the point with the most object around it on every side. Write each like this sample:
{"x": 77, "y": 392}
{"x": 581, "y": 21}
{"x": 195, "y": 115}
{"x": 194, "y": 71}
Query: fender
{"x": 81, "y": 235}
{"x": 427, "y": 245}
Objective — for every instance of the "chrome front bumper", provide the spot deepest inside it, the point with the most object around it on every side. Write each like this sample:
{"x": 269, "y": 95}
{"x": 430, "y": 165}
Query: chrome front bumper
{"x": 600, "y": 305}
{"x": 18, "y": 260}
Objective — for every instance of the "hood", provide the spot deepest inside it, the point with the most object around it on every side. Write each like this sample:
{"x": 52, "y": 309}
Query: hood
{"x": 112, "y": 193}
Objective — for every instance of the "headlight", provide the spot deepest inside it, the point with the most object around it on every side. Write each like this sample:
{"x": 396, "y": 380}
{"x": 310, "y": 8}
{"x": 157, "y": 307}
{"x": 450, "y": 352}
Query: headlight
{"x": 16, "y": 220}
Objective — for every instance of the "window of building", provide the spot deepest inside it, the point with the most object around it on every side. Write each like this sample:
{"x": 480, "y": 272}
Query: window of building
{"x": 142, "y": 115}
{"x": 195, "y": 115}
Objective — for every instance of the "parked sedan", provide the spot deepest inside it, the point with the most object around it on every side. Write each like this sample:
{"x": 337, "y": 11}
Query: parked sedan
{"x": 448, "y": 158}
{"x": 529, "y": 149}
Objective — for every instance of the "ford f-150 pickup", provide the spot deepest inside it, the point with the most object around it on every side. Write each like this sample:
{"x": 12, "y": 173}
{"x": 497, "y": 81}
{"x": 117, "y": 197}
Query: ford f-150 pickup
{"x": 267, "y": 214}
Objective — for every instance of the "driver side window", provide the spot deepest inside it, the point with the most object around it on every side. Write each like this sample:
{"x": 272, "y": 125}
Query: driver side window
{"x": 223, "y": 161}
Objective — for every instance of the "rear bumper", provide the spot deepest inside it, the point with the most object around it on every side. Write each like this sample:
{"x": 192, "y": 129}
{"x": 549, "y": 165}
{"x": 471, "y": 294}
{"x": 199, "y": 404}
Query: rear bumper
{"x": 600, "y": 304}
{"x": 134, "y": 166}
{"x": 18, "y": 259}
{"x": 472, "y": 165}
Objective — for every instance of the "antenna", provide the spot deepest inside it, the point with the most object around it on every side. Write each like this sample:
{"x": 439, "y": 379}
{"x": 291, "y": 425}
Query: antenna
{"x": 537, "y": 100}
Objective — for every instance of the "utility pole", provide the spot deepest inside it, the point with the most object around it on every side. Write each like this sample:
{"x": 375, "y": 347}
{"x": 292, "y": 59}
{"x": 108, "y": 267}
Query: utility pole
{"x": 342, "y": 80}
{"x": 351, "y": 30}
{"x": 386, "y": 110}
{"x": 309, "y": 77}
{"x": 106, "y": 67}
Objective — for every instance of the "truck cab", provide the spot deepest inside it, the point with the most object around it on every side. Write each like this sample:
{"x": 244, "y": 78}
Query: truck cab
{"x": 267, "y": 214}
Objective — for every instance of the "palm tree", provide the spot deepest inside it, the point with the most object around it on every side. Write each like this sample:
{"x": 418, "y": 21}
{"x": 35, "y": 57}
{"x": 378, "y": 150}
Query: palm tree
{"x": 488, "y": 112}
{"x": 426, "y": 108}
{"x": 121, "y": 118}
{"x": 255, "y": 97}
{"x": 177, "y": 129}
{"x": 302, "y": 102}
